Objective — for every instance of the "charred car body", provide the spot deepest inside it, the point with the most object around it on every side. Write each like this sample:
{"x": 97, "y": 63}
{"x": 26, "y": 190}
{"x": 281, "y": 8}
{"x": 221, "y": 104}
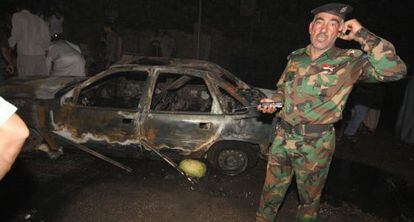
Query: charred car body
{"x": 194, "y": 108}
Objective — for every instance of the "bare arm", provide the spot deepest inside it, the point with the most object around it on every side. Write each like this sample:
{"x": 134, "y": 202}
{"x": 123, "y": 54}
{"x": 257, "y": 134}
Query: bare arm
{"x": 13, "y": 133}
{"x": 6, "y": 53}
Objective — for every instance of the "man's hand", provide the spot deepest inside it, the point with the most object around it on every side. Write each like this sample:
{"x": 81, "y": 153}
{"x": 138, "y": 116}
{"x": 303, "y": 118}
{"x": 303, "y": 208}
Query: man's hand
{"x": 351, "y": 27}
{"x": 266, "y": 108}
{"x": 10, "y": 69}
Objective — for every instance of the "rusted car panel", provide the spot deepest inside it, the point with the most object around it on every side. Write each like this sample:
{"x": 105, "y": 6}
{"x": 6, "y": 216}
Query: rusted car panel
{"x": 41, "y": 88}
{"x": 188, "y": 106}
{"x": 89, "y": 124}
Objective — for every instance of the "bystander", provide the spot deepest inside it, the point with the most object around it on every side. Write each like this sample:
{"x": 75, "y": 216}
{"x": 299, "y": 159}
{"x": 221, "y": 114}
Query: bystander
{"x": 113, "y": 44}
{"x": 6, "y": 64}
{"x": 404, "y": 127}
{"x": 367, "y": 103}
{"x": 31, "y": 35}
{"x": 65, "y": 59}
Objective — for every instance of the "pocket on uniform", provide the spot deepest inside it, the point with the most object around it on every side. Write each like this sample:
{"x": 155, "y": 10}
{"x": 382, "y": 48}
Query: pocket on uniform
{"x": 321, "y": 140}
{"x": 319, "y": 84}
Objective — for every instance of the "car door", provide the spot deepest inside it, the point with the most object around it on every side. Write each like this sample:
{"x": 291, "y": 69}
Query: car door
{"x": 105, "y": 110}
{"x": 183, "y": 112}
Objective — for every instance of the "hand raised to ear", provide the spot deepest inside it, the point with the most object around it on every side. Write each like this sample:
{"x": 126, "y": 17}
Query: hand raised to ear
{"x": 351, "y": 27}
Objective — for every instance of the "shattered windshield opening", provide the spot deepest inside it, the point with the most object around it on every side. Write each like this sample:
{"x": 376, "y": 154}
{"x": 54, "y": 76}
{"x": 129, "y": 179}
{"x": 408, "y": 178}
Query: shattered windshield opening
{"x": 230, "y": 104}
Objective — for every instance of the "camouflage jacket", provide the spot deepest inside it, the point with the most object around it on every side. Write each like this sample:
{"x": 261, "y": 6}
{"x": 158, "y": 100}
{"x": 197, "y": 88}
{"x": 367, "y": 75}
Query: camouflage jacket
{"x": 315, "y": 92}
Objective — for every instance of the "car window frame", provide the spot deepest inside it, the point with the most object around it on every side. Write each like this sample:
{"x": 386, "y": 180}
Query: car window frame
{"x": 106, "y": 73}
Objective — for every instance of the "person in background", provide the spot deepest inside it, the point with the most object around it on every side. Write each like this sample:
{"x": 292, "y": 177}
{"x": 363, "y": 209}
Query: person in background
{"x": 404, "y": 127}
{"x": 163, "y": 44}
{"x": 65, "y": 58}
{"x": 367, "y": 100}
{"x": 314, "y": 89}
{"x": 13, "y": 133}
{"x": 31, "y": 35}
{"x": 113, "y": 44}
{"x": 56, "y": 22}
{"x": 6, "y": 64}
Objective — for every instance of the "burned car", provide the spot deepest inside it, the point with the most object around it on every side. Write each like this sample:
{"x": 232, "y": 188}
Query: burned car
{"x": 187, "y": 107}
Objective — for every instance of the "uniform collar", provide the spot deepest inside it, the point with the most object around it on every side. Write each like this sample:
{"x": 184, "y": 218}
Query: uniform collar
{"x": 331, "y": 53}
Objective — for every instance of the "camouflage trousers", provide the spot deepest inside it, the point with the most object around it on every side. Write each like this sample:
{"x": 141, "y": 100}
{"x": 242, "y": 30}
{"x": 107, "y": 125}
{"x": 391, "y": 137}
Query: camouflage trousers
{"x": 308, "y": 157}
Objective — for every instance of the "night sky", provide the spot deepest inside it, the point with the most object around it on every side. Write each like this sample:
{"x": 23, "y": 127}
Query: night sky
{"x": 275, "y": 29}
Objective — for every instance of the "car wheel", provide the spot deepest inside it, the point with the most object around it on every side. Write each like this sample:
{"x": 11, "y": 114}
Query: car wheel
{"x": 232, "y": 158}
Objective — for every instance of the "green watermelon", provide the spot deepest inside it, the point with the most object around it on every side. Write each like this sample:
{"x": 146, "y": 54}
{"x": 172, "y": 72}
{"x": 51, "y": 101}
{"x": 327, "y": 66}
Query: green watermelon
{"x": 193, "y": 168}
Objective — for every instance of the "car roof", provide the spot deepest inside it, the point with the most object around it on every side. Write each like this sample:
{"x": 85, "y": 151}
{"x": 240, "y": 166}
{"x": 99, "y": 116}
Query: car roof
{"x": 129, "y": 60}
{"x": 134, "y": 60}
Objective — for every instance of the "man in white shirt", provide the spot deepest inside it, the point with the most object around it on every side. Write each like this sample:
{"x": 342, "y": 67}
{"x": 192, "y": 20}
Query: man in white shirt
{"x": 65, "y": 59}
{"x": 32, "y": 36}
{"x": 13, "y": 133}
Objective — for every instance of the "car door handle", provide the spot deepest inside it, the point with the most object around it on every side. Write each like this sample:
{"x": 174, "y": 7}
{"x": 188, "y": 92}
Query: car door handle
{"x": 127, "y": 121}
{"x": 205, "y": 125}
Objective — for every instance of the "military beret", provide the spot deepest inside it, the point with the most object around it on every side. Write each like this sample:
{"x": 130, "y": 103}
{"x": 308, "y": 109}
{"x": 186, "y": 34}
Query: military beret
{"x": 338, "y": 9}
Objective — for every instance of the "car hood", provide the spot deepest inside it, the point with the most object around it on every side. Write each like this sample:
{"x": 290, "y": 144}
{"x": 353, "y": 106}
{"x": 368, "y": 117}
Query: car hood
{"x": 36, "y": 87}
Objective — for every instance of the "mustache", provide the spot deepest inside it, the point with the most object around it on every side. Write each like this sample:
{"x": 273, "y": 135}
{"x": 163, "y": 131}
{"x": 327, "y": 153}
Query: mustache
{"x": 322, "y": 34}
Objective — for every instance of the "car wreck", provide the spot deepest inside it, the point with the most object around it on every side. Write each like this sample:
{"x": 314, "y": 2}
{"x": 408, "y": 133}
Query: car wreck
{"x": 187, "y": 107}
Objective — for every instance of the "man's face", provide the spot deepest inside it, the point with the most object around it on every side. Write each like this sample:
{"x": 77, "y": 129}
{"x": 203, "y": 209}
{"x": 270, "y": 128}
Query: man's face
{"x": 107, "y": 29}
{"x": 324, "y": 30}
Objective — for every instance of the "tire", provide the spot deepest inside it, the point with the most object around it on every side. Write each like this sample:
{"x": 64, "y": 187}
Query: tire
{"x": 232, "y": 158}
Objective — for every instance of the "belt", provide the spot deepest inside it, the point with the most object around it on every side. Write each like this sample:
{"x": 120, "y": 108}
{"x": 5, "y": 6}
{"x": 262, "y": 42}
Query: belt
{"x": 305, "y": 128}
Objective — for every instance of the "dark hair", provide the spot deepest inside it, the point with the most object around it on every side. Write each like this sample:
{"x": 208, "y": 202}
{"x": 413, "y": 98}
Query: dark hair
{"x": 24, "y": 4}
{"x": 108, "y": 24}
{"x": 56, "y": 37}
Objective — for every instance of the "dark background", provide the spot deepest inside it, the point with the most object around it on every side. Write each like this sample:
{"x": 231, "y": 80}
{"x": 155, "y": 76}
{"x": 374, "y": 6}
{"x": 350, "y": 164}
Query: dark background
{"x": 267, "y": 31}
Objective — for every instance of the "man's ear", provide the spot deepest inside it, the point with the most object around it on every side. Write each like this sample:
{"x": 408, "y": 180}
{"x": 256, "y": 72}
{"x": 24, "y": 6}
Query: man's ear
{"x": 310, "y": 27}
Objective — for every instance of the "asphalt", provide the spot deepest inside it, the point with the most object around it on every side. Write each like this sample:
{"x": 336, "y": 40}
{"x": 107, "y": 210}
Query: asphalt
{"x": 79, "y": 187}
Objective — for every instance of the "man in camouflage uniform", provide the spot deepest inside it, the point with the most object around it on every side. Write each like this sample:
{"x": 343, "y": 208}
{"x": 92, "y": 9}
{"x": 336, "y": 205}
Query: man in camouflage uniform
{"x": 313, "y": 89}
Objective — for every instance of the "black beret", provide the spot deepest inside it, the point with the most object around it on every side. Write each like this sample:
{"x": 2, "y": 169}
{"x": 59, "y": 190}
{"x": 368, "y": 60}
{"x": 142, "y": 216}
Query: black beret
{"x": 338, "y": 9}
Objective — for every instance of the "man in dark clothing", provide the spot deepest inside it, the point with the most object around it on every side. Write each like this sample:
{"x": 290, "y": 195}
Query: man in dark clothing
{"x": 365, "y": 97}
{"x": 113, "y": 43}
{"x": 405, "y": 122}
{"x": 6, "y": 65}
